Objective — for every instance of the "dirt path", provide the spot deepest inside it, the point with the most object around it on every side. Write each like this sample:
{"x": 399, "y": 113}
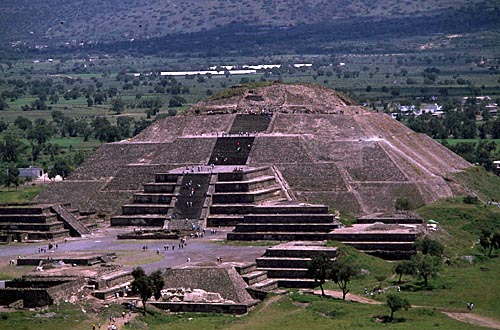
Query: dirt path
{"x": 269, "y": 301}
{"x": 349, "y": 297}
{"x": 470, "y": 318}
{"x": 474, "y": 319}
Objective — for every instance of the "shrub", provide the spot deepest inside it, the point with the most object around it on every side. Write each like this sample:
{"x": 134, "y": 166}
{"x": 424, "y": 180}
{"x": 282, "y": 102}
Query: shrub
{"x": 471, "y": 200}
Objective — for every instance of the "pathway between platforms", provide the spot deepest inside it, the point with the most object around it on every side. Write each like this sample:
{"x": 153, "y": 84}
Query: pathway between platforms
{"x": 465, "y": 317}
{"x": 474, "y": 319}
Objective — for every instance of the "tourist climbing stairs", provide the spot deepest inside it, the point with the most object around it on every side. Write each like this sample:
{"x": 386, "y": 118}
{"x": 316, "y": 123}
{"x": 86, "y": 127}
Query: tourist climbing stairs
{"x": 231, "y": 150}
{"x": 250, "y": 124}
{"x": 192, "y": 194}
{"x": 76, "y": 227}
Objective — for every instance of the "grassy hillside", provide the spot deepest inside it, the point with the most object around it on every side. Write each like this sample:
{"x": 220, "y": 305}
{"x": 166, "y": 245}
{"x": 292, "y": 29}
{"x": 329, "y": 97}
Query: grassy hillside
{"x": 485, "y": 184}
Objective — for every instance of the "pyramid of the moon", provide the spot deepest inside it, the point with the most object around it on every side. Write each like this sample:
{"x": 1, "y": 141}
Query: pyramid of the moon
{"x": 320, "y": 147}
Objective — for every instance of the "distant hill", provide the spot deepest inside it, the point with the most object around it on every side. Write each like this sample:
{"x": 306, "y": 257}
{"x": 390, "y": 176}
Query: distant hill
{"x": 73, "y": 22}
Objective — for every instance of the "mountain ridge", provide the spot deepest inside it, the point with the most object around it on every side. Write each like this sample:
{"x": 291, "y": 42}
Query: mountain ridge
{"x": 74, "y": 23}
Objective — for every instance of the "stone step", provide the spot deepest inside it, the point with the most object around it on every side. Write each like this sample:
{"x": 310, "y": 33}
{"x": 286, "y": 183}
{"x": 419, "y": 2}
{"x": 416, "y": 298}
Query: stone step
{"x": 247, "y": 185}
{"x": 245, "y": 197}
{"x": 289, "y": 227}
{"x": 159, "y": 187}
{"x": 244, "y": 175}
{"x": 155, "y": 220}
{"x": 224, "y": 220}
{"x": 28, "y": 218}
{"x": 291, "y": 209}
{"x": 255, "y": 277}
{"x": 166, "y": 178}
{"x": 277, "y": 236}
{"x": 389, "y": 220}
{"x": 289, "y": 218}
{"x": 153, "y": 198}
{"x": 391, "y": 254}
{"x": 372, "y": 237}
{"x": 399, "y": 246}
{"x": 231, "y": 208}
{"x": 42, "y": 235}
{"x": 282, "y": 262}
{"x": 28, "y": 209}
{"x": 275, "y": 272}
{"x": 135, "y": 209}
{"x": 298, "y": 283}
{"x": 13, "y": 226}
{"x": 300, "y": 251}
{"x": 266, "y": 285}
{"x": 246, "y": 268}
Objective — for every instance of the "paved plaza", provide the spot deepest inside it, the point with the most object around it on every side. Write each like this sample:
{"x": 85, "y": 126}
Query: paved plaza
{"x": 105, "y": 240}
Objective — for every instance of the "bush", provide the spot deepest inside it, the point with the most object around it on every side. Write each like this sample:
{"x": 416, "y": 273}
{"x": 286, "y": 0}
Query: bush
{"x": 402, "y": 204}
{"x": 471, "y": 200}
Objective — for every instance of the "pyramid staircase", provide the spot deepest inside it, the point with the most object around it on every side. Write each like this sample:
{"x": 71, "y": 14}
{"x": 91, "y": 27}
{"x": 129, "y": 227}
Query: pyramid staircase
{"x": 283, "y": 266}
{"x": 251, "y": 123}
{"x": 231, "y": 150}
{"x": 173, "y": 201}
{"x": 42, "y": 222}
{"x": 76, "y": 227}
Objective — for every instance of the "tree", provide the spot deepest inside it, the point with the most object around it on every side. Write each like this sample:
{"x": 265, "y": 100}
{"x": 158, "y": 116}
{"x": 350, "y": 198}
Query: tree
{"x": 489, "y": 241}
{"x": 319, "y": 268}
{"x": 402, "y": 204}
{"x": 146, "y": 286}
{"x": 176, "y": 101}
{"x": 425, "y": 266}
{"x": 396, "y": 303}
{"x": 404, "y": 267}
{"x": 12, "y": 177}
{"x": 142, "y": 285}
{"x": 11, "y": 148}
{"x": 430, "y": 247}
{"x": 342, "y": 271}
{"x": 117, "y": 105}
{"x": 40, "y": 133}
{"x": 158, "y": 283}
{"x": 61, "y": 167}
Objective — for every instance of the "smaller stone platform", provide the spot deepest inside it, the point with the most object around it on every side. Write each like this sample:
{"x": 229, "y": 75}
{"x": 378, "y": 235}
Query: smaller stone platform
{"x": 71, "y": 258}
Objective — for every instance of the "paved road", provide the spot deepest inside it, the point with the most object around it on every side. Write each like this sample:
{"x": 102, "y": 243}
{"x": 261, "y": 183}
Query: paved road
{"x": 197, "y": 249}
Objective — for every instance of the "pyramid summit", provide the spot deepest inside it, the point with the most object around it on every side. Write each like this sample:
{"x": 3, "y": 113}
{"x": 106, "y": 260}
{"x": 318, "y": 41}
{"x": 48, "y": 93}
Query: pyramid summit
{"x": 315, "y": 145}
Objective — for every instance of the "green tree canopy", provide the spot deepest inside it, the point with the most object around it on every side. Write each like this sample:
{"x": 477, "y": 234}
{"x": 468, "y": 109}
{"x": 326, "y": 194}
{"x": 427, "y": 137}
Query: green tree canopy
{"x": 396, "y": 303}
{"x": 343, "y": 270}
{"x": 319, "y": 269}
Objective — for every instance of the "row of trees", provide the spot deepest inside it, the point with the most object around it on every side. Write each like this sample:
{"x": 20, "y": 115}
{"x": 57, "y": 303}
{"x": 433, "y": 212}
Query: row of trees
{"x": 425, "y": 264}
{"x": 340, "y": 270}
{"x": 25, "y": 142}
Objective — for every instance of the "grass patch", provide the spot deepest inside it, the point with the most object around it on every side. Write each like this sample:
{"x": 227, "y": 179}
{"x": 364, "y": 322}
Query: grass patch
{"x": 138, "y": 258}
{"x": 23, "y": 194}
{"x": 483, "y": 182}
{"x": 460, "y": 224}
{"x": 319, "y": 313}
